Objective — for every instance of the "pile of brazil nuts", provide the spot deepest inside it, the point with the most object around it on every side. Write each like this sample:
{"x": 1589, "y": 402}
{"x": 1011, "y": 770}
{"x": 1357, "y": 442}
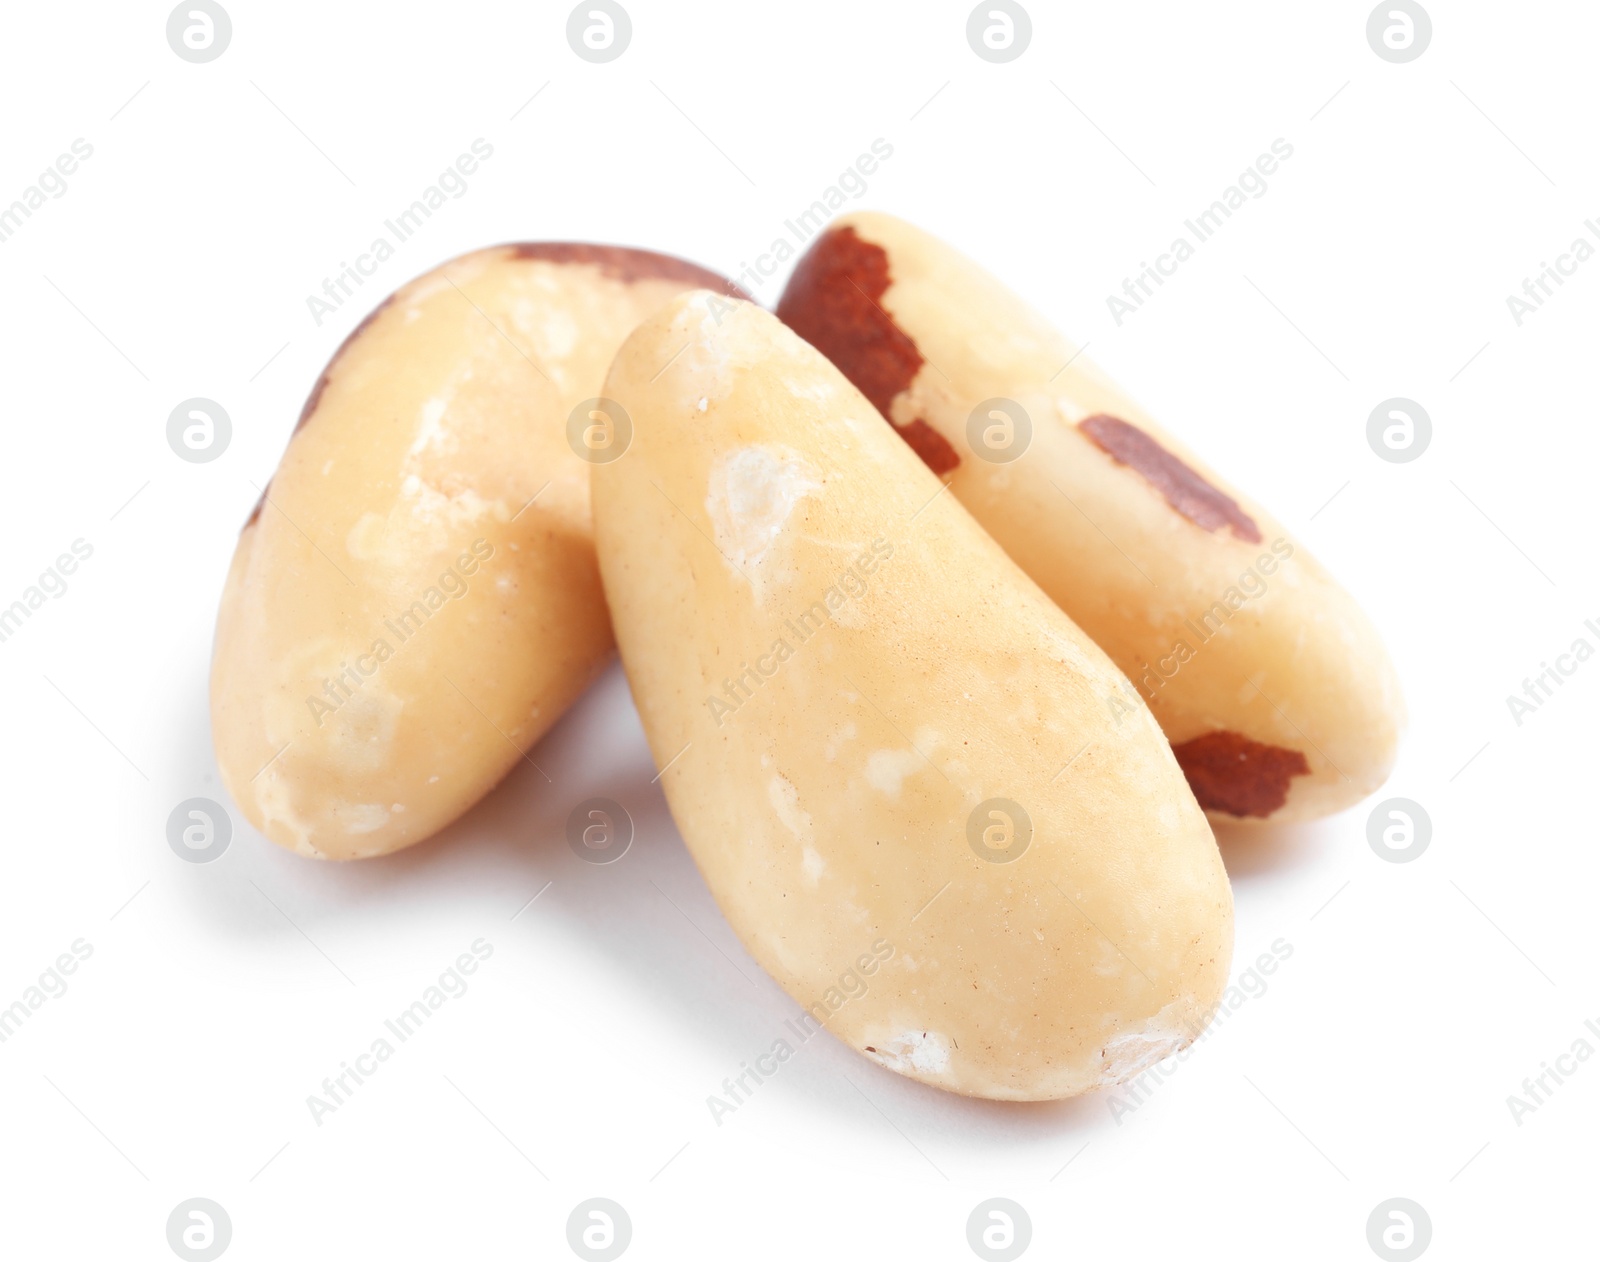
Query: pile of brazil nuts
{"x": 1020, "y": 699}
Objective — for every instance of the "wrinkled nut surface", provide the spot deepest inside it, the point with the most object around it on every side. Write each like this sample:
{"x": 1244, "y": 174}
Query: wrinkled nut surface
{"x": 865, "y": 714}
{"x": 416, "y": 599}
{"x": 1270, "y": 682}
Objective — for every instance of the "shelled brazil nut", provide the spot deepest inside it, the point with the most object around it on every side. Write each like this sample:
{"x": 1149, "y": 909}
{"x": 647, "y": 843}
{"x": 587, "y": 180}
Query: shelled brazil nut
{"x": 415, "y": 599}
{"x": 1271, "y": 683}
{"x": 860, "y": 707}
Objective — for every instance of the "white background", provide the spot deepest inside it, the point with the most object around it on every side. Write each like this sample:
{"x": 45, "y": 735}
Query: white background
{"x": 216, "y": 1000}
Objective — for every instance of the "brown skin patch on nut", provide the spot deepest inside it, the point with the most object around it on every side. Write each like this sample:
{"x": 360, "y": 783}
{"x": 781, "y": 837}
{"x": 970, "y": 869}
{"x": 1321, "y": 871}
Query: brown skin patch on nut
{"x": 627, "y": 265}
{"x": 1184, "y": 489}
{"x": 616, "y": 261}
{"x": 1238, "y": 776}
{"x": 832, "y": 302}
{"x": 315, "y": 397}
{"x": 931, "y": 445}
